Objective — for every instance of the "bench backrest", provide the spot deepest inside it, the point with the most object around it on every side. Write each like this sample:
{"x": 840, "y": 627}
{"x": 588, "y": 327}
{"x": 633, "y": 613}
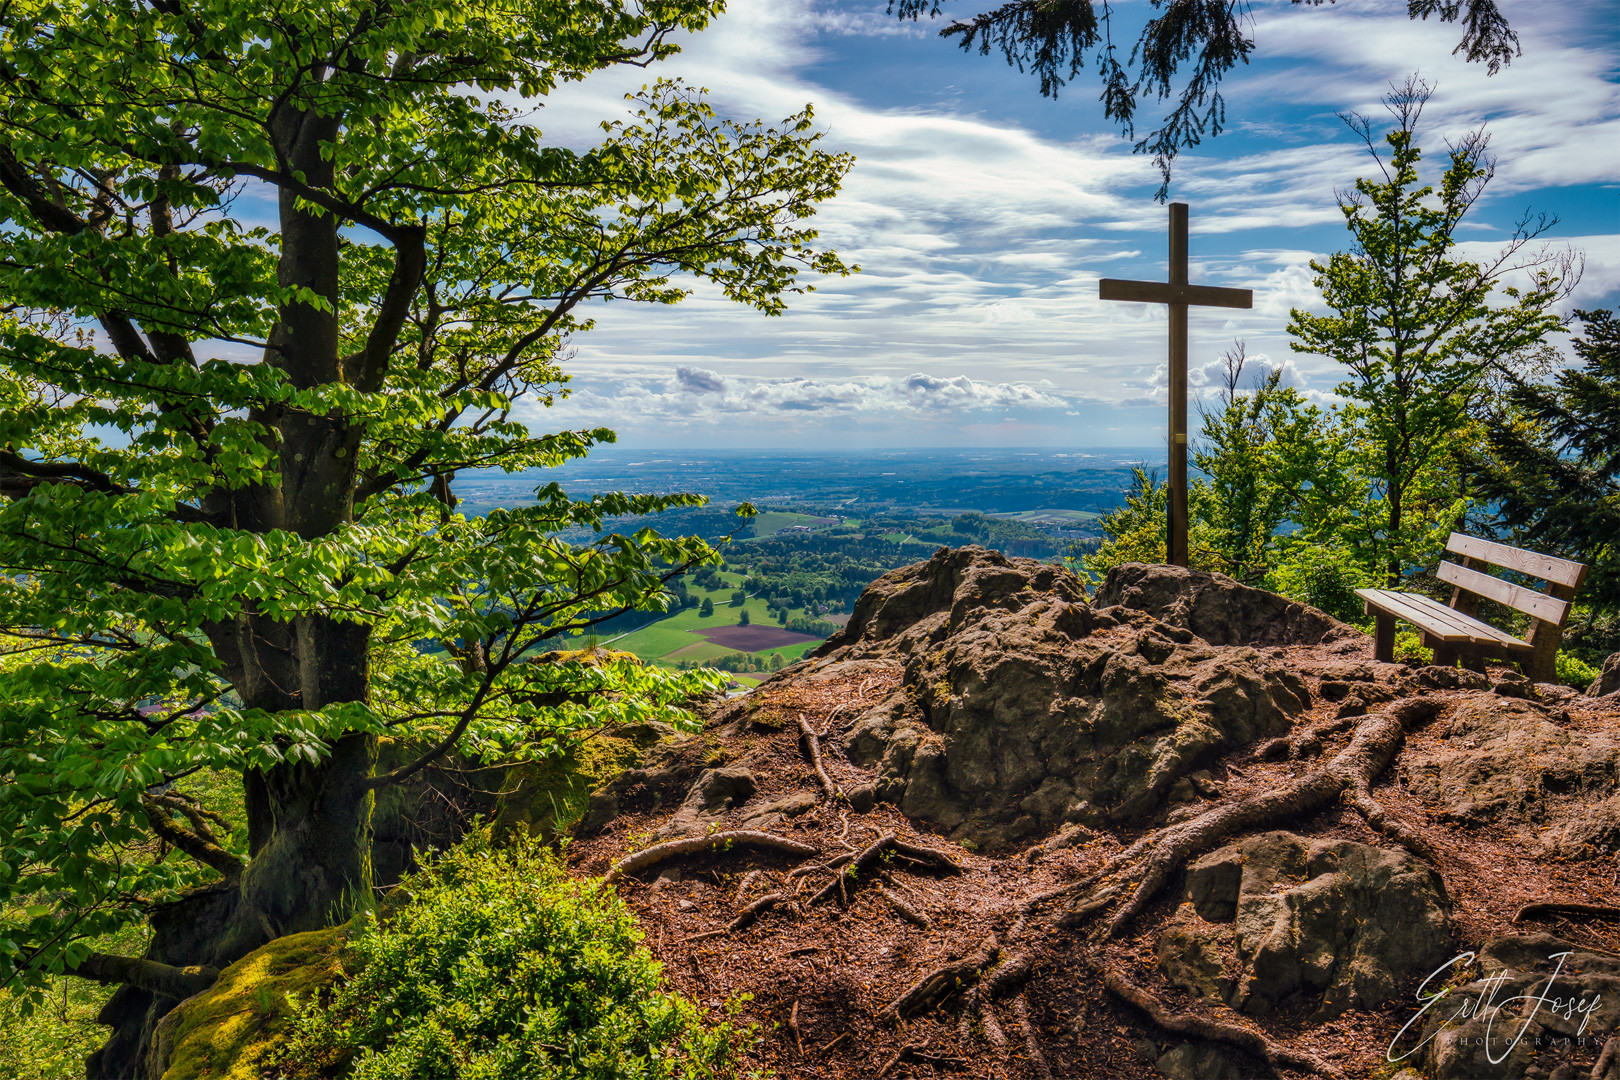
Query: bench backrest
{"x": 1561, "y": 575}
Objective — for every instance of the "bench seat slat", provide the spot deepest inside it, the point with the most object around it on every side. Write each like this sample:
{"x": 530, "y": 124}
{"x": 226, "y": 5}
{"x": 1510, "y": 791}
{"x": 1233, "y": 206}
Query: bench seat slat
{"x": 1539, "y": 605}
{"x": 1477, "y": 629}
{"x": 1399, "y": 605}
{"x": 1545, "y": 567}
{"x": 1438, "y": 621}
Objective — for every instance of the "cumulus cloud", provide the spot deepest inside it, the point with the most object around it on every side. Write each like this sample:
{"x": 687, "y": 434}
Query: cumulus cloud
{"x": 699, "y": 380}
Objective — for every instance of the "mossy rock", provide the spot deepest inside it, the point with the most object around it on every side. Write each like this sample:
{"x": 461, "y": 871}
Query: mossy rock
{"x": 228, "y": 1031}
{"x": 545, "y": 798}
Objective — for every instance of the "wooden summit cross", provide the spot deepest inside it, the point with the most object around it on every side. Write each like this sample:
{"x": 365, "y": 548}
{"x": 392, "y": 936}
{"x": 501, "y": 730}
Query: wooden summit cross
{"x": 1178, "y": 294}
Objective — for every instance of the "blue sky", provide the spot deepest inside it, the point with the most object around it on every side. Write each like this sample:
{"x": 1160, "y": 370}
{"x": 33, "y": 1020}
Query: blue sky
{"x": 982, "y": 215}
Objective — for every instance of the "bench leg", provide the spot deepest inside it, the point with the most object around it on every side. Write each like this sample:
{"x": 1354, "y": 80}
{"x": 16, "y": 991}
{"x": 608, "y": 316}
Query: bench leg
{"x": 1445, "y": 655}
{"x": 1384, "y": 638}
{"x": 1474, "y": 660}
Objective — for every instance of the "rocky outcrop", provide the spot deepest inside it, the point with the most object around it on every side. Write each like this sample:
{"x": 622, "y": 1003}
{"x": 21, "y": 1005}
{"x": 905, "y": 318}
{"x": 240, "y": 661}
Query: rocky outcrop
{"x": 1024, "y": 707}
{"x": 1513, "y": 762}
{"x": 1608, "y": 680}
{"x": 1276, "y": 919}
{"x": 1218, "y": 609}
{"x": 1516, "y": 1011}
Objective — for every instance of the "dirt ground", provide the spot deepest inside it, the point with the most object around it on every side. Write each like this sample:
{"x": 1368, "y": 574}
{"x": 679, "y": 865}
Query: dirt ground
{"x": 817, "y": 976}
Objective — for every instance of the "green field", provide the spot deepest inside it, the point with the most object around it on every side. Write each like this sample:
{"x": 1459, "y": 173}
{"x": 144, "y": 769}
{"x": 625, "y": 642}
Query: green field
{"x": 672, "y": 639}
{"x": 769, "y": 522}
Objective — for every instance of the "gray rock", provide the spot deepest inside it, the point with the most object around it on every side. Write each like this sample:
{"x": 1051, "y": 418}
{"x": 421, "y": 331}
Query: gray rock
{"x": 1218, "y": 609}
{"x": 713, "y": 793}
{"x": 1333, "y": 918}
{"x": 1517, "y": 1010}
{"x": 1608, "y": 680}
{"x": 1510, "y": 762}
{"x": 1202, "y": 1061}
{"x": 1023, "y": 707}
{"x": 862, "y": 797}
{"x": 1190, "y": 955}
{"x": 774, "y": 813}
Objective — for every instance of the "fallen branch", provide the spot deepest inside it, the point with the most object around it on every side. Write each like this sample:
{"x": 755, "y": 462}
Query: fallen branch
{"x": 699, "y": 845}
{"x": 812, "y": 750}
{"x": 1203, "y": 1027}
{"x": 1556, "y": 907}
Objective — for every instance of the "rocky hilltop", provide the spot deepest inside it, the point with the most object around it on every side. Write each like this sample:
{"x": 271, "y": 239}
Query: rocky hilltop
{"x": 1185, "y": 827}
{"x": 1000, "y": 828}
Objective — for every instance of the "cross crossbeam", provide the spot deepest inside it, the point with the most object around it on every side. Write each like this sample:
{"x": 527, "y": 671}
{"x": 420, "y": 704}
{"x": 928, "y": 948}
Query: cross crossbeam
{"x": 1179, "y": 295}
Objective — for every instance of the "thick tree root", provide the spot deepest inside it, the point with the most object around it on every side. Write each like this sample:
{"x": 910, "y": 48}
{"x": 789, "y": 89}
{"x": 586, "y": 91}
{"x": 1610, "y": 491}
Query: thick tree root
{"x": 1373, "y": 813}
{"x": 943, "y": 981}
{"x": 991, "y": 1027}
{"x": 700, "y": 845}
{"x": 907, "y": 912}
{"x": 1032, "y": 1045}
{"x": 1553, "y": 907}
{"x": 812, "y": 750}
{"x": 1201, "y": 1027}
{"x": 1373, "y": 746}
{"x": 1607, "y": 1059}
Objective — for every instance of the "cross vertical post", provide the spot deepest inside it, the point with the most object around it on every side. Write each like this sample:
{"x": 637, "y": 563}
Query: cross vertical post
{"x": 1178, "y": 293}
{"x": 1176, "y": 526}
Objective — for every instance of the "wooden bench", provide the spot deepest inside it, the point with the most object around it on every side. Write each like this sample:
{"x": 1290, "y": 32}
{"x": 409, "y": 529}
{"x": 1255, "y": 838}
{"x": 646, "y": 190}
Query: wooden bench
{"x": 1455, "y": 634}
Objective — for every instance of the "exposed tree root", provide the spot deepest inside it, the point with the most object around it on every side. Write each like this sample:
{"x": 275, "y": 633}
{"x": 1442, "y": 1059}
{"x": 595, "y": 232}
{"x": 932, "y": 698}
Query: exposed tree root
{"x": 699, "y": 845}
{"x": 1373, "y": 813}
{"x": 1032, "y": 1045}
{"x": 1555, "y": 907}
{"x": 1202, "y": 1027}
{"x": 793, "y": 1026}
{"x": 943, "y": 981}
{"x": 1610, "y": 1055}
{"x": 830, "y": 864}
{"x": 812, "y": 750}
{"x": 909, "y": 1048}
{"x": 1373, "y": 746}
{"x": 750, "y": 914}
{"x": 868, "y": 857}
{"x": 907, "y": 912}
{"x": 1306, "y": 743}
{"x": 742, "y": 886}
{"x": 991, "y": 1027}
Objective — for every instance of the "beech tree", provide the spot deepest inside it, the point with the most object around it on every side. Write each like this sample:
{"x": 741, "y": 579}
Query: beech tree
{"x": 1416, "y": 328}
{"x": 1052, "y": 38}
{"x": 272, "y": 277}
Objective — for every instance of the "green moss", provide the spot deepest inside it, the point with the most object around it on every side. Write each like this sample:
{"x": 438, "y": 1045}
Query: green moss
{"x": 228, "y": 1031}
{"x": 544, "y": 798}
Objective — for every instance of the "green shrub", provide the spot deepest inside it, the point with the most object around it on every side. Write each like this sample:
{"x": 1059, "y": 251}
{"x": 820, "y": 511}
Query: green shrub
{"x": 500, "y": 966}
{"x": 1572, "y": 671}
{"x": 1325, "y": 576}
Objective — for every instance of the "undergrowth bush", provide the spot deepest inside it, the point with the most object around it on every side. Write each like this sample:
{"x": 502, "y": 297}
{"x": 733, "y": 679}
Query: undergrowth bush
{"x": 500, "y": 966}
{"x": 1572, "y": 671}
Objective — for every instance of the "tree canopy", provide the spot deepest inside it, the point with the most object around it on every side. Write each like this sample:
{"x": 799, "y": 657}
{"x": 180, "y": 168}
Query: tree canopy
{"x": 1416, "y": 328}
{"x": 270, "y": 279}
{"x": 1198, "y": 40}
{"x": 1550, "y": 465}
